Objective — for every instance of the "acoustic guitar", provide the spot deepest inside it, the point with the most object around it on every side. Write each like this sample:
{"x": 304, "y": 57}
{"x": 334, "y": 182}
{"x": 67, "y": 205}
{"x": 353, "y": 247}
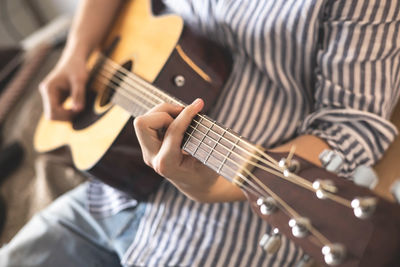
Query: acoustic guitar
{"x": 148, "y": 60}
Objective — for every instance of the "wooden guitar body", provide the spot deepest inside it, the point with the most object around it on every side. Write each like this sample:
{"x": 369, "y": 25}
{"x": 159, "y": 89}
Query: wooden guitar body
{"x": 101, "y": 140}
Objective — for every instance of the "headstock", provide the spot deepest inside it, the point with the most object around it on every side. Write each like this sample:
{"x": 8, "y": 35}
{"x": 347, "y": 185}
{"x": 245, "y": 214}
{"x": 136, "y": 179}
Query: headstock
{"x": 330, "y": 218}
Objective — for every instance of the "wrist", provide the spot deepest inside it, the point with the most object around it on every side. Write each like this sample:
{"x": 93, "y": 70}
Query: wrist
{"x": 77, "y": 48}
{"x": 308, "y": 147}
{"x": 221, "y": 191}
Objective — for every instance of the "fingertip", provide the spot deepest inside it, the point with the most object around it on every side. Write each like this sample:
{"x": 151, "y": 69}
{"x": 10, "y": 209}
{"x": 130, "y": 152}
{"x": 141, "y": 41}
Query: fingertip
{"x": 77, "y": 107}
{"x": 60, "y": 115}
{"x": 198, "y": 103}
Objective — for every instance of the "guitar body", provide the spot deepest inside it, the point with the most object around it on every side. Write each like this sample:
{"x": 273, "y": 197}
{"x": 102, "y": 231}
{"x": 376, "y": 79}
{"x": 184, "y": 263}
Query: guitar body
{"x": 101, "y": 140}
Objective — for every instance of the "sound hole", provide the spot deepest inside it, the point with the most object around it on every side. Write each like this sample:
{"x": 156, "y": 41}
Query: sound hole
{"x": 114, "y": 83}
{"x": 97, "y": 104}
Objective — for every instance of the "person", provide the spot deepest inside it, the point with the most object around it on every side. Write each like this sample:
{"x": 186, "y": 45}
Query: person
{"x": 317, "y": 74}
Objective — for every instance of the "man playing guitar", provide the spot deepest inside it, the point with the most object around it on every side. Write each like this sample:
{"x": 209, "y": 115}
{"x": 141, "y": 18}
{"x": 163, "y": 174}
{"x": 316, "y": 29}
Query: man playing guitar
{"x": 313, "y": 75}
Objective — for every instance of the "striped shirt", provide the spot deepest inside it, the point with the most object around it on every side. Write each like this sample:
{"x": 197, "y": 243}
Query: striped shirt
{"x": 320, "y": 67}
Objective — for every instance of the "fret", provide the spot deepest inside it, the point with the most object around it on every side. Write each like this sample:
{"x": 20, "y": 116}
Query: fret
{"x": 209, "y": 153}
{"x": 215, "y": 142}
{"x": 202, "y": 153}
{"x": 190, "y": 136}
{"x": 228, "y": 154}
{"x": 204, "y": 135}
{"x": 190, "y": 147}
{"x": 214, "y": 148}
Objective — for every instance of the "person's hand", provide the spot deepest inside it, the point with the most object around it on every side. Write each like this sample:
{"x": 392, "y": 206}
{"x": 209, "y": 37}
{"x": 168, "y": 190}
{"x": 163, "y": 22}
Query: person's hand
{"x": 160, "y": 133}
{"x": 68, "y": 78}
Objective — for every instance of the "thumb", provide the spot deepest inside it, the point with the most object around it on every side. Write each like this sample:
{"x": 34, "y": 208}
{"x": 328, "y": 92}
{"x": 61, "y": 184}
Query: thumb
{"x": 78, "y": 94}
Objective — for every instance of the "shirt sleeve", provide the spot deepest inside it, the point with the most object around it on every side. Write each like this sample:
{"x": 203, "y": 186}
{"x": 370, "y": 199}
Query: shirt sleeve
{"x": 357, "y": 80}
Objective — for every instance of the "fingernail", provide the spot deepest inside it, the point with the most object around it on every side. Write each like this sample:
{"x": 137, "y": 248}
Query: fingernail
{"x": 197, "y": 102}
{"x": 77, "y": 107}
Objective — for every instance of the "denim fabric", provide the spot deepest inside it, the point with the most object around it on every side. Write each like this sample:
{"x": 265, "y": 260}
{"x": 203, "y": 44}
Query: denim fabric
{"x": 66, "y": 234}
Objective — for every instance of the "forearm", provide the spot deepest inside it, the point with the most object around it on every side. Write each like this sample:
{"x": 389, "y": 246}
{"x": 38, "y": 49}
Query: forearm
{"x": 306, "y": 146}
{"x": 91, "y": 23}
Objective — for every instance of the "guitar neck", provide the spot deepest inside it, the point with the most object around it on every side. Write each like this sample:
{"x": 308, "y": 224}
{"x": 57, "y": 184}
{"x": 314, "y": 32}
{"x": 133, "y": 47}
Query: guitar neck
{"x": 217, "y": 147}
{"x": 214, "y": 145}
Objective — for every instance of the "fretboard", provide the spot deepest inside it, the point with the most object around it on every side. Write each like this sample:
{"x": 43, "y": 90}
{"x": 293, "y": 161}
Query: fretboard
{"x": 214, "y": 145}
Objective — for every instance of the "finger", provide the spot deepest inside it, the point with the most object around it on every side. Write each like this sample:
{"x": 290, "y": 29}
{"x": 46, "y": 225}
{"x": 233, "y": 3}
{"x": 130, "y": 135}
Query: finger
{"x": 147, "y": 128}
{"x": 43, "y": 89}
{"x": 52, "y": 102}
{"x": 176, "y": 130}
{"x": 171, "y": 109}
{"x": 78, "y": 94}
{"x": 62, "y": 114}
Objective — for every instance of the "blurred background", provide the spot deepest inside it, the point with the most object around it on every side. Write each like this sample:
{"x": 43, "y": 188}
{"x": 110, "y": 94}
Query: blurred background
{"x": 20, "y": 18}
{"x": 32, "y": 34}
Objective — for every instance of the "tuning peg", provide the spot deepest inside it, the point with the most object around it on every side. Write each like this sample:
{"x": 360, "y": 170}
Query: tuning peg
{"x": 322, "y": 187}
{"x": 364, "y": 207}
{"x": 365, "y": 176}
{"x": 267, "y": 205}
{"x": 289, "y": 165}
{"x": 331, "y": 160}
{"x": 271, "y": 243}
{"x": 300, "y": 226}
{"x": 334, "y": 254}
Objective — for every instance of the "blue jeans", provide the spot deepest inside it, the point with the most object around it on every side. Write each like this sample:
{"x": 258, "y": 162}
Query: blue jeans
{"x": 66, "y": 234}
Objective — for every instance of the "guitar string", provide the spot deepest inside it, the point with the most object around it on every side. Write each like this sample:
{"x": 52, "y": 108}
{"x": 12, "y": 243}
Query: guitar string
{"x": 246, "y": 160}
{"x": 273, "y": 163}
{"x": 290, "y": 212}
{"x": 285, "y": 207}
{"x": 131, "y": 76}
{"x": 105, "y": 83}
{"x": 291, "y": 177}
{"x": 150, "y": 87}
